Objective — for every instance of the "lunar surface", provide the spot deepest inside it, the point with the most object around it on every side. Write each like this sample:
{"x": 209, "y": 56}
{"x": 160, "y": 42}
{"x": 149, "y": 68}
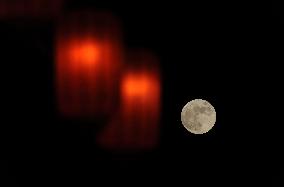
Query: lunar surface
{"x": 198, "y": 116}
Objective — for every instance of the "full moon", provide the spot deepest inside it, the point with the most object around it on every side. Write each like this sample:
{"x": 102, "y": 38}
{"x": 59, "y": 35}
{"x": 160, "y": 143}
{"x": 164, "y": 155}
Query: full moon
{"x": 198, "y": 116}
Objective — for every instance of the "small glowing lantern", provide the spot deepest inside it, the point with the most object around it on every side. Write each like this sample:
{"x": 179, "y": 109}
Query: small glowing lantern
{"x": 136, "y": 127}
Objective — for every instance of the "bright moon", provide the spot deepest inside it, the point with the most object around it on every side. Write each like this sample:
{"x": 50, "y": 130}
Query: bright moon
{"x": 198, "y": 116}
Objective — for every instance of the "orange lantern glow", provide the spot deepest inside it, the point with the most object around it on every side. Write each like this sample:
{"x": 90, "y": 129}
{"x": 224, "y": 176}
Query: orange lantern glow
{"x": 136, "y": 125}
{"x": 88, "y": 60}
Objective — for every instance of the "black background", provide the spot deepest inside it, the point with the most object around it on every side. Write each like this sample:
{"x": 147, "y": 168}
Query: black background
{"x": 217, "y": 52}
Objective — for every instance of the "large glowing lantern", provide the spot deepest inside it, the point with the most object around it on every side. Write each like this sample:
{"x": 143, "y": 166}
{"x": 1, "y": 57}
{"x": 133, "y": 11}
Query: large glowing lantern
{"x": 136, "y": 126}
{"x": 88, "y": 60}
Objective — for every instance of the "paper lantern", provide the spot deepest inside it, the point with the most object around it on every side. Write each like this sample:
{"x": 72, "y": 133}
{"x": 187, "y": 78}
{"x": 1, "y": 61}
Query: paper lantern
{"x": 88, "y": 61}
{"x": 136, "y": 126}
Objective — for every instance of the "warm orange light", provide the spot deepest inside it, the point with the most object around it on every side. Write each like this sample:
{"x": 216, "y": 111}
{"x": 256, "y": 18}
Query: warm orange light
{"x": 85, "y": 53}
{"x": 88, "y": 57}
{"x": 140, "y": 93}
{"x": 136, "y": 85}
{"x": 136, "y": 126}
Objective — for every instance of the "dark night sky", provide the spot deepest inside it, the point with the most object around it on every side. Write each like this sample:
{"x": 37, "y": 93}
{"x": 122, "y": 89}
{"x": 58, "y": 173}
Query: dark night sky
{"x": 207, "y": 51}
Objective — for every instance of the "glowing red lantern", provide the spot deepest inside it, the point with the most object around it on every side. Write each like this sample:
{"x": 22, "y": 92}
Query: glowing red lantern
{"x": 88, "y": 60}
{"x": 136, "y": 127}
